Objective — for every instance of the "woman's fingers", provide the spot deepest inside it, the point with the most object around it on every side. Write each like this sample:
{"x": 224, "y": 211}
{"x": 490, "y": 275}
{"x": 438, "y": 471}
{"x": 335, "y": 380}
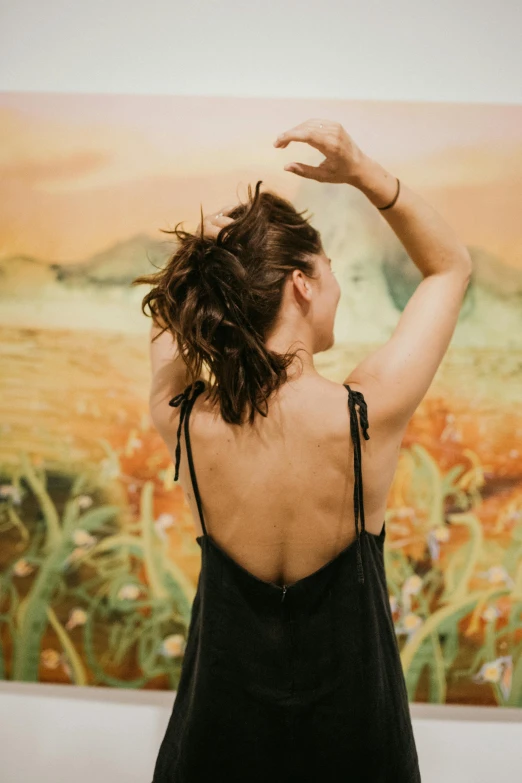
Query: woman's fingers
{"x": 219, "y": 220}
{"x": 227, "y": 208}
{"x": 342, "y": 156}
{"x": 213, "y": 224}
{"x": 312, "y": 132}
{"x": 310, "y": 172}
{"x": 216, "y": 216}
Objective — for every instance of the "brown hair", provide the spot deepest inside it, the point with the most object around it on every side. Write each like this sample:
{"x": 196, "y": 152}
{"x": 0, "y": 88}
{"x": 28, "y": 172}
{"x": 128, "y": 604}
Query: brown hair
{"x": 220, "y": 299}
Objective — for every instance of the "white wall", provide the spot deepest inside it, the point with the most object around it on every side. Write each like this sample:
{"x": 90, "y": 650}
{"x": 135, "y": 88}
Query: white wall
{"x": 462, "y": 50}
{"x": 454, "y": 50}
{"x": 59, "y": 734}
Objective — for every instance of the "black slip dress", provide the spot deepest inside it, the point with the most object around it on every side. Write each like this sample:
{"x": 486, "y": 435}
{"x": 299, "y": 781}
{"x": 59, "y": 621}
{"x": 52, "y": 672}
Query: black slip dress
{"x": 295, "y": 683}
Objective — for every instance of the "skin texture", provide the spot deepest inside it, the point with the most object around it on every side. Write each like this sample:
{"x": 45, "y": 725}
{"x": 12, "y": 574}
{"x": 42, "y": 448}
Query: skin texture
{"x": 278, "y": 497}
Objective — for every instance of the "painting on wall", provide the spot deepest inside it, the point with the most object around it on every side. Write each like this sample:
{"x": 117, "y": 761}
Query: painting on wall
{"x": 98, "y": 558}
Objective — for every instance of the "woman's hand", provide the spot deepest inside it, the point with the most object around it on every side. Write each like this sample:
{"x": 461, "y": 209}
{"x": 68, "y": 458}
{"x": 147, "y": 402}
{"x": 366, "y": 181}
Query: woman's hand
{"x": 212, "y": 224}
{"x": 343, "y": 158}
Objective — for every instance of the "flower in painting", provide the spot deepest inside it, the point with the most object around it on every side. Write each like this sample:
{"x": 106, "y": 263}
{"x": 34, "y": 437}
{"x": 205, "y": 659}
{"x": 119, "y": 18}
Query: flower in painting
{"x": 134, "y": 443}
{"x": 496, "y": 575}
{"x": 173, "y": 646}
{"x": 451, "y": 431}
{"x": 409, "y": 624}
{"x": 110, "y": 469}
{"x": 50, "y": 658}
{"x": 412, "y": 585}
{"x": 435, "y": 537}
{"x": 85, "y": 501}
{"x": 83, "y": 538}
{"x": 77, "y": 616}
{"x": 22, "y": 568}
{"x": 129, "y": 592}
{"x": 499, "y": 671}
{"x": 162, "y": 524}
{"x": 9, "y": 490}
{"x": 490, "y": 613}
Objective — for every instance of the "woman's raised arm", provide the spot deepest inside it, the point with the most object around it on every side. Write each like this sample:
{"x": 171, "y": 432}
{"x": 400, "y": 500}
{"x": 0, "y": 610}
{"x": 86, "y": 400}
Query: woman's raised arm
{"x": 396, "y": 377}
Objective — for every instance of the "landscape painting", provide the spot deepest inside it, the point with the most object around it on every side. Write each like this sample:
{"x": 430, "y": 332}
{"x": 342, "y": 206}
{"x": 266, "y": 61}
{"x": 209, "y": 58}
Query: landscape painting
{"x": 98, "y": 558}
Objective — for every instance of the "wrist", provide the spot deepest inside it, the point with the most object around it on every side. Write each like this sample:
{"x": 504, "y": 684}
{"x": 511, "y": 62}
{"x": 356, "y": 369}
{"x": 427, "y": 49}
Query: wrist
{"x": 362, "y": 171}
{"x": 372, "y": 179}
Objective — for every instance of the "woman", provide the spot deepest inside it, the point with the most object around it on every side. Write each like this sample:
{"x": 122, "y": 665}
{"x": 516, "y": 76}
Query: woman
{"x": 291, "y": 669}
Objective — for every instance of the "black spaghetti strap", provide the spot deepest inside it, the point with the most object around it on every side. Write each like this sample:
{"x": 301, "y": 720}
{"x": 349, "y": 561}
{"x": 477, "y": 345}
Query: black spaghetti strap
{"x": 356, "y": 398}
{"x": 186, "y": 402}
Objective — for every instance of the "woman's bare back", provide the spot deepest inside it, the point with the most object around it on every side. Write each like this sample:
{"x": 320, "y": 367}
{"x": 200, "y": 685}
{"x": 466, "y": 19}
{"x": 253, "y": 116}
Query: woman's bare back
{"x": 278, "y": 497}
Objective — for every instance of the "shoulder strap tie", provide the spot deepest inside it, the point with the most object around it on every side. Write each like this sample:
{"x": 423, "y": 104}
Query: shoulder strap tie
{"x": 356, "y": 398}
{"x": 183, "y": 399}
{"x": 359, "y": 400}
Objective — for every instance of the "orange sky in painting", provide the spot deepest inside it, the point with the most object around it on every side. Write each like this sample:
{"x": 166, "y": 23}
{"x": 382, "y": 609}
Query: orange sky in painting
{"x": 80, "y": 172}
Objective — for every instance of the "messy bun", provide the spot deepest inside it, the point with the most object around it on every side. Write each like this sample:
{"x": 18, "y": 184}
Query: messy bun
{"x": 220, "y": 298}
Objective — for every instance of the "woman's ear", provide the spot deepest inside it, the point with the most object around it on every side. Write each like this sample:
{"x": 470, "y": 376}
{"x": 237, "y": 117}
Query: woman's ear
{"x": 301, "y": 282}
